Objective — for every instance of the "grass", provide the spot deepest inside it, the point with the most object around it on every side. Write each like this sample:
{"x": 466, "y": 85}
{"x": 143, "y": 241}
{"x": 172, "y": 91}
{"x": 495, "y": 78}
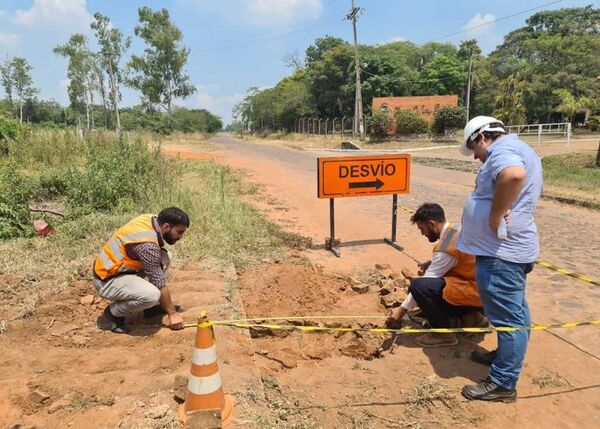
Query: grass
{"x": 572, "y": 178}
{"x": 223, "y": 227}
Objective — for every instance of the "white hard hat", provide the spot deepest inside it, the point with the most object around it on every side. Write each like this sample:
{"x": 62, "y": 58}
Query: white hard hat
{"x": 476, "y": 126}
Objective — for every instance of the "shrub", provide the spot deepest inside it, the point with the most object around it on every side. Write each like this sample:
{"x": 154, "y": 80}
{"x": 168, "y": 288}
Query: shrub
{"x": 594, "y": 123}
{"x": 448, "y": 119}
{"x": 380, "y": 123}
{"x": 9, "y": 129}
{"x": 118, "y": 175}
{"x": 15, "y": 191}
{"x": 409, "y": 122}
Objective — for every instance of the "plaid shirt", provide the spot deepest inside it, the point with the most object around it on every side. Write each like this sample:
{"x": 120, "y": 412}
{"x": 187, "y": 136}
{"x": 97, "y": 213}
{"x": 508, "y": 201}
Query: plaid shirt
{"x": 150, "y": 255}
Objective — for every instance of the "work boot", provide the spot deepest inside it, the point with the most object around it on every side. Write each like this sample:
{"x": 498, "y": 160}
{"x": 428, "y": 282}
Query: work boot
{"x": 487, "y": 390}
{"x": 435, "y": 339}
{"x": 474, "y": 320}
{"x": 483, "y": 357}
{"x": 115, "y": 324}
{"x": 157, "y": 310}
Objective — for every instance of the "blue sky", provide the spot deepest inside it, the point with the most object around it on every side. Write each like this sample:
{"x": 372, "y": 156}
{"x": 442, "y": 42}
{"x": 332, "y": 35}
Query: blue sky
{"x": 238, "y": 44}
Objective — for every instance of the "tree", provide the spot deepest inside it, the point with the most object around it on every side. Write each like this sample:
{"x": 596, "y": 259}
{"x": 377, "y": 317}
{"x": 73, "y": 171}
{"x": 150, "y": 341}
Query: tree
{"x": 22, "y": 82}
{"x": 112, "y": 46}
{"x": 7, "y": 80}
{"x": 159, "y": 74}
{"x": 570, "y": 106}
{"x": 80, "y": 72}
{"x": 509, "y": 103}
{"x": 442, "y": 75}
{"x": 323, "y": 44}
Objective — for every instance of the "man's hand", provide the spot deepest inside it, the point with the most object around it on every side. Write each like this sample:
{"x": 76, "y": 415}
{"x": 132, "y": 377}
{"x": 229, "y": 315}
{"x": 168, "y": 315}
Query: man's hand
{"x": 423, "y": 267}
{"x": 394, "y": 320}
{"x": 176, "y": 321}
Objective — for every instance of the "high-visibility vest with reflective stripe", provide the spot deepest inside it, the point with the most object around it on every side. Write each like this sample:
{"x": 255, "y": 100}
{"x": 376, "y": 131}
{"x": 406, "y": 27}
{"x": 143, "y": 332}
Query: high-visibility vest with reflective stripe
{"x": 461, "y": 287}
{"x": 113, "y": 259}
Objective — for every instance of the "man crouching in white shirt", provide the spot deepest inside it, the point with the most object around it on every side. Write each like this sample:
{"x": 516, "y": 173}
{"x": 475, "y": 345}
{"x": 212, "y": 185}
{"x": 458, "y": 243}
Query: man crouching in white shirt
{"x": 446, "y": 292}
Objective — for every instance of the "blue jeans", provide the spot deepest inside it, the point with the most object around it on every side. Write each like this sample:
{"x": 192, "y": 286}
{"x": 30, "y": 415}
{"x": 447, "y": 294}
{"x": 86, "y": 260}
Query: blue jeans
{"x": 502, "y": 289}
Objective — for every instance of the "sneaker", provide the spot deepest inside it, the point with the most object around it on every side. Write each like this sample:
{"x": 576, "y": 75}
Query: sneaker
{"x": 157, "y": 310}
{"x": 115, "y": 324}
{"x": 434, "y": 339}
{"x": 483, "y": 357}
{"x": 487, "y": 390}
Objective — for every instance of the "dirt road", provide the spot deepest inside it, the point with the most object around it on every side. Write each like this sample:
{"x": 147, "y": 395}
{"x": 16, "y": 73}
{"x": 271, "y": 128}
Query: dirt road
{"x": 57, "y": 370}
{"x": 569, "y": 236}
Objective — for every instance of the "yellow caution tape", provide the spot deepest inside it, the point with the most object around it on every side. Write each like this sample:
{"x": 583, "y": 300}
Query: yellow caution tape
{"x": 303, "y": 328}
{"x": 544, "y": 264}
{"x": 567, "y": 272}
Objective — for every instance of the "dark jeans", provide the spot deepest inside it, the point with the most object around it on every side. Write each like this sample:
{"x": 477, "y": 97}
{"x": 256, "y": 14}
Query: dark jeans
{"x": 502, "y": 289}
{"x": 427, "y": 291}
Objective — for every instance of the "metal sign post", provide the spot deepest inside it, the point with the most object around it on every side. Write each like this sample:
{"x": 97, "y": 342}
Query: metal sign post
{"x": 392, "y": 241}
{"x": 354, "y": 176}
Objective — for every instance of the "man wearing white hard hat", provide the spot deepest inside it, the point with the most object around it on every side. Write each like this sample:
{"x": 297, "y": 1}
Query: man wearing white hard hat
{"x": 498, "y": 228}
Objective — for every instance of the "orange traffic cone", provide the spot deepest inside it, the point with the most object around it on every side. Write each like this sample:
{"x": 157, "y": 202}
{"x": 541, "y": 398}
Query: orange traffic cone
{"x": 205, "y": 406}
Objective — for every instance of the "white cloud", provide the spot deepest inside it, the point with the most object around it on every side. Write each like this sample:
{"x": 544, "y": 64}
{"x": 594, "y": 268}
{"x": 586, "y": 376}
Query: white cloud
{"x": 271, "y": 13}
{"x": 284, "y": 12}
{"x": 208, "y": 98}
{"x": 9, "y": 40}
{"x": 480, "y": 24}
{"x": 64, "y": 15}
{"x": 397, "y": 39}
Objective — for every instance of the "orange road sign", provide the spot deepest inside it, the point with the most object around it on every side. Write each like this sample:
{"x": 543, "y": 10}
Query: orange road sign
{"x": 356, "y": 176}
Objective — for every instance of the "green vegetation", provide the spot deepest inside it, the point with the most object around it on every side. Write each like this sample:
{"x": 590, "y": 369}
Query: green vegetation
{"x": 96, "y": 185}
{"x": 380, "y": 124}
{"x": 95, "y": 80}
{"x": 573, "y": 177}
{"x": 447, "y": 119}
{"x": 543, "y": 72}
{"x": 410, "y": 122}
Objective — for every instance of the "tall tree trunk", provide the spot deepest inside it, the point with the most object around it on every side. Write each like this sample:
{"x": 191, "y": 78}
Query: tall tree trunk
{"x": 87, "y": 113}
{"x": 598, "y": 156}
{"x": 115, "y": 96}
{"x": 21, "y": 111}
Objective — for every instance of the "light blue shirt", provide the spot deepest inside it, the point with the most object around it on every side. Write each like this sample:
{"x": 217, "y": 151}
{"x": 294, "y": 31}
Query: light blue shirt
{"x": 477, "y": 238}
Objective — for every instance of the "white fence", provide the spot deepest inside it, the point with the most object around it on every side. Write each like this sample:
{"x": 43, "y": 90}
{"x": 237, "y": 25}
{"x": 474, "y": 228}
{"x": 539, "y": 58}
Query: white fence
{"x": 562, "y": 128}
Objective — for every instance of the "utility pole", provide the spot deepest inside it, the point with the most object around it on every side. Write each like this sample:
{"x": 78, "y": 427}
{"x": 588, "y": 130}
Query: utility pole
{"x": 359, "y": 127}
{"x": 468, "y": 103}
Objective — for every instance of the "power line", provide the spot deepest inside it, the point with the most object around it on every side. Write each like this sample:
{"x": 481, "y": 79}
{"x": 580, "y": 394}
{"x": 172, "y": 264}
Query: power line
{"x": 496, "y": 20}
{"x": 243, "y": 41}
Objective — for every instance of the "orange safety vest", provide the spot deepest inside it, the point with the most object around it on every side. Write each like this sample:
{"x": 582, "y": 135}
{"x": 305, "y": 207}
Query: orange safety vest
{"x": 112, "y": 259}
{"x": 461, "y": 288}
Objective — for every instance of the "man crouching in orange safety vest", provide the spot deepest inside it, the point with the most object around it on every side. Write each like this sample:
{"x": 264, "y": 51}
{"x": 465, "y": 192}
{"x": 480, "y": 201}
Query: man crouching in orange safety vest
{"x": 135, "y": 252}
{"x": 446, "y": 292}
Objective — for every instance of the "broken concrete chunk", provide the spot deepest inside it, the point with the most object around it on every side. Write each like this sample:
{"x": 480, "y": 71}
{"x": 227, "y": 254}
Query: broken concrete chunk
{"x": 386, "y": 286}
{"x": 157, "y": 412}
{"x": 385, "y": 273}
{"x": 396, "y": 276}
{"x": 383, "y": 267}
{"x": 87, "y": 300}
{"x": 180, "y": 388}
{"x": 38, "y": 396}
{"x": 408, "y": 273}
{"x": 360, "y": 288}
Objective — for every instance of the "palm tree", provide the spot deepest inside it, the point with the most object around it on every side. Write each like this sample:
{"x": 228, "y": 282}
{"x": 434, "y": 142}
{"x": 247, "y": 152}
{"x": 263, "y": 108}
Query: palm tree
{"x": 570, "y": 106}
